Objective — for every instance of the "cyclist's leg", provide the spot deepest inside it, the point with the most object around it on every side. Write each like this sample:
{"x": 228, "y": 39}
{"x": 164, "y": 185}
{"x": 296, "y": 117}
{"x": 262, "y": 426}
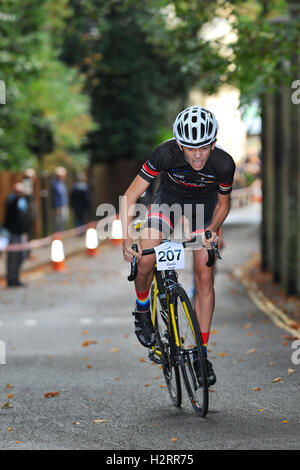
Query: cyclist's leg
{"x": 204, "y": 301}
{"x": 143, "y": 324}
{"x": 204, "y": 284}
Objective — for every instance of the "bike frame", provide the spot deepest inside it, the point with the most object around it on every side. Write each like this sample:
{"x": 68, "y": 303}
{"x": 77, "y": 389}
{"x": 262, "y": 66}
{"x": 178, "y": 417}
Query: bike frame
{"x": 161, "y": 288}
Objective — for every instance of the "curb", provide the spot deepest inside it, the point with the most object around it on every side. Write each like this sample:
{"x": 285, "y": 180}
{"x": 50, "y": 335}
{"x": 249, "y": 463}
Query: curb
{"x": 279, "y": 318}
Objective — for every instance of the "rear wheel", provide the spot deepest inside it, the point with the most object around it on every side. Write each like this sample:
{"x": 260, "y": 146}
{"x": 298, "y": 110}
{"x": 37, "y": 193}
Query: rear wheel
{"x": 192, "y": 357}
{"x": 165, "y": 348}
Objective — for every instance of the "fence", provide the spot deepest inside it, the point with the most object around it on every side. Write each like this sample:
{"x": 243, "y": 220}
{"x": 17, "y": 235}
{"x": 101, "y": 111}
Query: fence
{"x": 106, "y": 181}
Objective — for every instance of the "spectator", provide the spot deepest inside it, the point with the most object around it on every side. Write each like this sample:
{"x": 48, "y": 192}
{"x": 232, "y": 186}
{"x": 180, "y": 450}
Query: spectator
{"x": 80, "y": 200}
{"x": 60, "y": 199}
{"x": 29, "y": 179}
{"x": 17, "y": 222}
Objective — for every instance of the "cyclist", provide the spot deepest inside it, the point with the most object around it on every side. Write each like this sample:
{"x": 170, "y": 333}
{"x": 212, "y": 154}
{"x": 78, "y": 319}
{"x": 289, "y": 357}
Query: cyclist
{"x": 195, "y": 171}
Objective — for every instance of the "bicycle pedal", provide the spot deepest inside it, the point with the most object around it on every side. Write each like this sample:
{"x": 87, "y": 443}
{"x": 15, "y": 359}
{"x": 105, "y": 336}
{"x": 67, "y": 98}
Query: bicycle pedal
{"x": 152, "y": 357}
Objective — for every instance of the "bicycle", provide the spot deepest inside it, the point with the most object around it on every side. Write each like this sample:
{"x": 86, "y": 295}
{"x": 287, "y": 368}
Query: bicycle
{"x": 179, "y": 346}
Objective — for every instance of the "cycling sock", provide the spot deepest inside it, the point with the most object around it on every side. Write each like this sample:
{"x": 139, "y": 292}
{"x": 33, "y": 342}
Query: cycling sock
{"x": 142, "y": 301}
{"x": 205, "y": 337}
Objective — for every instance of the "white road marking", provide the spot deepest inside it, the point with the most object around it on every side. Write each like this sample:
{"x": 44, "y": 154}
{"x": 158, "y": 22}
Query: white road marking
{"x": 85, "y": 321}
{"x": 30, "y": 322}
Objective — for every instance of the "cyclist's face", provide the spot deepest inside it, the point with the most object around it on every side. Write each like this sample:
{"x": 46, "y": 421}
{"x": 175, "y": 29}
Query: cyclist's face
{"x": 197, "y": 157}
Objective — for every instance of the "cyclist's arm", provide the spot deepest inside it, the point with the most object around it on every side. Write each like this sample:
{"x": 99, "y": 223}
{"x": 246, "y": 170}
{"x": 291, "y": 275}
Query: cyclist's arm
{"x": 132, "y": 194}
{"x": 220, "y": 213}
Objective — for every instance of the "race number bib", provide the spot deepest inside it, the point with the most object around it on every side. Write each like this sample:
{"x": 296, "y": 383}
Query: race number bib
{"x": 170, "y": 256}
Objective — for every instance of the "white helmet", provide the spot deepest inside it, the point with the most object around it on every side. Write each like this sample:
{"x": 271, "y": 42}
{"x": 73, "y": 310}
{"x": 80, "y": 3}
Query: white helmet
{"x": 195, "y": 127}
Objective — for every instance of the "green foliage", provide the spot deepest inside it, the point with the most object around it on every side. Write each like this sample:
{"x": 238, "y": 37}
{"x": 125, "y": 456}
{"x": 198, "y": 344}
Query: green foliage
{"x": 129, "y": 75}
{"x": 45, "y": 110}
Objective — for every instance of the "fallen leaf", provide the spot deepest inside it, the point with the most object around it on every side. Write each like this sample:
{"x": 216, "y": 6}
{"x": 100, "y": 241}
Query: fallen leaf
{"x": 256, "y": 389}
{"x": 7, "y": 405}
{"x": 10, "y": 395}
{"x": 147, "y": 385}
{"x": 51, "y": 394}
{"x": 18, "y": 442}
{"x": 250, "y": 351}
{"x": 284, "y": 421}
{"x": 84, "y": 332}
{"x": 100, "y": 421}
{"x": 214, "y": 332}
{"x": 271, "y": 363}
{"x": 163, "y": 386}
{"x": 87, "y": 343}
{"x": 76, "y": 422}
{"x": 142, "y": 359}
{"x": 267, "y": 354}
{"x": 114, "y": 350}
{"x": 249, "y": 334}
{"x": 117, "y": 378}
{"x": 291, "y": 371}
{"x": 174, "y": 439}
{"x": 89, "y": 366}
{"x": 223, "y": 354}
{"x": 9, "y": 386}
{"x": 278, "y": 379}
{"x": 10, "y": 429}
{"x": 247, "y": 325}
{"x": 260, "y": 410}
{"x": 284, "y": 343}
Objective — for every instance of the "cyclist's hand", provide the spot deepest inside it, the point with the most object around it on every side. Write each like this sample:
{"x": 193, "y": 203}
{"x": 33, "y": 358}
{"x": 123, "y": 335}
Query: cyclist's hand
{"x": 207, "y": 243}
{"x": 128, "y": 252}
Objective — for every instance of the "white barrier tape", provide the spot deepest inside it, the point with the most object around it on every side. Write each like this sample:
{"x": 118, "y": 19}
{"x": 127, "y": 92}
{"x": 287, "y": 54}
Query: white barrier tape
{"x": 41, "y": 242}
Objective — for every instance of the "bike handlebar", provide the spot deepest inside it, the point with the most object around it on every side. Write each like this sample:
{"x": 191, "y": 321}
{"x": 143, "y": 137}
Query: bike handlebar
{"x": 151, "y": 251}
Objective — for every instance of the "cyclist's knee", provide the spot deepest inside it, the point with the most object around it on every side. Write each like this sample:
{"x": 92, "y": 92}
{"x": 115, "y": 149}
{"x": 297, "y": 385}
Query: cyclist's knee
{"x": 146, "y": 264}
{"x": 204, "y": 279}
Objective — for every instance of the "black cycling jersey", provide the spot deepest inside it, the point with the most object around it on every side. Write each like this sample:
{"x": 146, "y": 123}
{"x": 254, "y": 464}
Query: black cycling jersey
{"x": 179, "y": 176}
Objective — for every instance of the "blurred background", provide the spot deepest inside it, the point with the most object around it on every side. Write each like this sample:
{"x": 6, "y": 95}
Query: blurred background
{"x": 94, "y": 85}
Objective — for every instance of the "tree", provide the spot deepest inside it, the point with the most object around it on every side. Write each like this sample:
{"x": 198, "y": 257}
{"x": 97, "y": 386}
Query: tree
{"x": 129, "y": 76}
{"x": 43, "y": 96}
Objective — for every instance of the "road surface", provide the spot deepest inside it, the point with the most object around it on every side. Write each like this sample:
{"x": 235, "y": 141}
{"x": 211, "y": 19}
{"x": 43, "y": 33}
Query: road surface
{"x": 71, "y": 335}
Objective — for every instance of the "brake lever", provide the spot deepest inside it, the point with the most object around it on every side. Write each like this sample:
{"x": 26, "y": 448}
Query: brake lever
{"x": 134, "y": 266}
{"x": 211, "y": 252}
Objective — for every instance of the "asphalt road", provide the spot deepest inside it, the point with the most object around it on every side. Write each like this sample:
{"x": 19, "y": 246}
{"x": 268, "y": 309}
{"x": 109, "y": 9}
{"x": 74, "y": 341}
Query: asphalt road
{"x": 72, "y": 333}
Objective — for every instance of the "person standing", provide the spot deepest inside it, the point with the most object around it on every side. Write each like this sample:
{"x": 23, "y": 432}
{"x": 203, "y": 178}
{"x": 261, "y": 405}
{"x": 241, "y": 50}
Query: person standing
{"x": 80, "y": 200}
{"x": 17, "y": 222}
{"x": 60, "y": 199}
{"x": 29, "y": 179}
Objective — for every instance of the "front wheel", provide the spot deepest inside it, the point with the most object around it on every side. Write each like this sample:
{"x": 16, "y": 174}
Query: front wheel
{"x": 165, "y": 348}
{"x": 192, "y": 357}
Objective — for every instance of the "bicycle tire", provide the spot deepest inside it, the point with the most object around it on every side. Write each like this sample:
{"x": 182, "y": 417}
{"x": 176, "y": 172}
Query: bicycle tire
{"x": 166, "y": 345}
{"x": 191, "y": 349}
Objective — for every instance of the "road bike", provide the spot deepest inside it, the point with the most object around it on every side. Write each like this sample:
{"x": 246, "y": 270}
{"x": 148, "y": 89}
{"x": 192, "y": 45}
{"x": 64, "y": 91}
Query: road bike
{"x": 178, "y": 346}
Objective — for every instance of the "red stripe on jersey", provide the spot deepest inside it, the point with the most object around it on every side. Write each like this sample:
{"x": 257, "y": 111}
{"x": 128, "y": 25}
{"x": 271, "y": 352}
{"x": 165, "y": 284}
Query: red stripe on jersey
{"x": 148, "y": 170}
{"x": 159, "y": 214}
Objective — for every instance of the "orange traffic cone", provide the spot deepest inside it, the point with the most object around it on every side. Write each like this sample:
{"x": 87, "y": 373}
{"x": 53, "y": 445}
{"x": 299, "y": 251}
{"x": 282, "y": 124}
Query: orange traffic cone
{"x": 91, "y": 242}
{"x": 57, "y": 254}
{"x": 117, "y": 232}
